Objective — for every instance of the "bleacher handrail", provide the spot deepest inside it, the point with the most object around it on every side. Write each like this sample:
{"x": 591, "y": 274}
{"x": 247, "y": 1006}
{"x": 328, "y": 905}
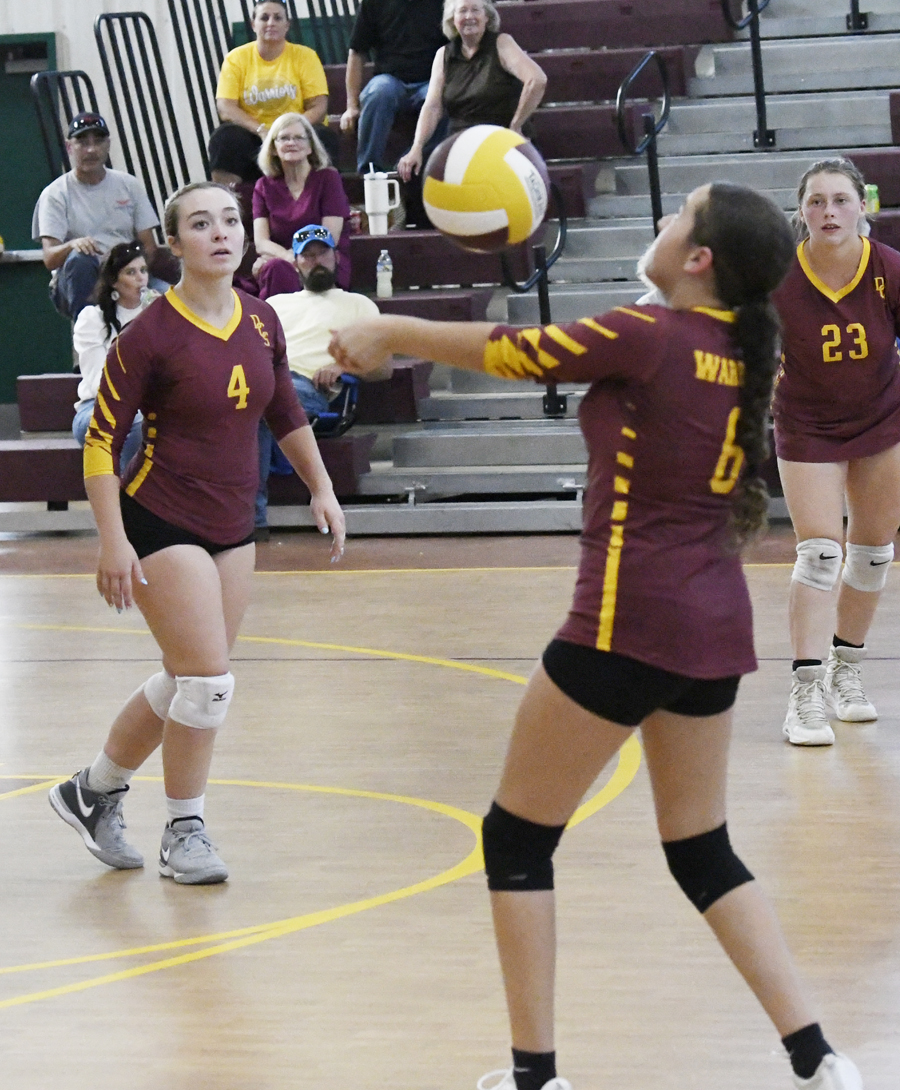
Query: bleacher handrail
{"x": 763, "y": 137}
{"x": 653, "y": 126}
{"x": 209, "y": 40}
{"x": 147, "y": 127}
{"x": 857, "y": 20}
{"x": 60, "y": 94}
{"x": 622, "y": 97}
{"x": 509, "y": 280}
{"x": 742, "y": 24}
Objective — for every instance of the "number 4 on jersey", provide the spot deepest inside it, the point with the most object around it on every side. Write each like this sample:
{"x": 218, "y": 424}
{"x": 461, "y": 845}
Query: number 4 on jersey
{"x": 237, "y": 386}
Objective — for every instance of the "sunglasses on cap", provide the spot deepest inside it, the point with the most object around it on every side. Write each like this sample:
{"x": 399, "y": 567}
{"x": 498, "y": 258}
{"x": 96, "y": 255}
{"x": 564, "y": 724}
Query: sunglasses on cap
{"x": 313, "y": 233}
{"x": 87, "y": 123}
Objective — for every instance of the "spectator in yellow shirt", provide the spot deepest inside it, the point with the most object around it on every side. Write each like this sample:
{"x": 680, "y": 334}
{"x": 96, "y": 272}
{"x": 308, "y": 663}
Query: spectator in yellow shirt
{"x": 260, "y": 81}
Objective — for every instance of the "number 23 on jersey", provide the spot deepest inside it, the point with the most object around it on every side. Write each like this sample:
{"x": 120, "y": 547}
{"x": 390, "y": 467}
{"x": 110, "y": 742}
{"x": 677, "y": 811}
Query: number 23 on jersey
{"x": 237, "y": 386}
{"x": 833, "y": 347}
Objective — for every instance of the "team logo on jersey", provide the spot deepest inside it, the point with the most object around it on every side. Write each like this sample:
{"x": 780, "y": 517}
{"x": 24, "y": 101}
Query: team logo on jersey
{"x": 879, "y": 285}
{"x": 261, "y": 329}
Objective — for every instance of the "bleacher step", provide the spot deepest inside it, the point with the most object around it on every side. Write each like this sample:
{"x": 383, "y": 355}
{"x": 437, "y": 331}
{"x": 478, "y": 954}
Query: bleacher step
{"x": 386, "y": 479}
{"x": 549, "y": 443}
{"x": 498, "y": 405}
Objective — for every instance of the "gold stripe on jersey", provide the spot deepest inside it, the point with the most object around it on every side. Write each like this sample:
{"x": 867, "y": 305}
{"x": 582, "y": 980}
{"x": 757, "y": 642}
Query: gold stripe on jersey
{"x": 112, "y": 389}
{"x": 104, "y": 409}
{"x": 722, "y": 315}
{"x": 142, "y": 472}
{"x": 629, "y": 433}
{"x": 625, "y": 459}
{"x": 620, "y": 510}
{"x": 597, "y": 328}
{"x": 185, "y": 311}
{"x": 556, "y": 334}
{"x": 505, "y": 358}
{"x": 834, "y": 296}
{"x": 610, "y": 587}
{"x": 621, "y": 484}
{"x": 636, "y": 314}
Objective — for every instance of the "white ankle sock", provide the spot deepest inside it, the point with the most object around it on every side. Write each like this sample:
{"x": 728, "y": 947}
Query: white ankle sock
{"x": 105, "y": 775}
{"x": 184, "y": 808}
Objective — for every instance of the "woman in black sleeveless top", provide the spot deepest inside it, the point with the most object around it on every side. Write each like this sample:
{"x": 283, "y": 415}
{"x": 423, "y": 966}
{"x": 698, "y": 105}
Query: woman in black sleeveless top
{"x": 480, "y": 78}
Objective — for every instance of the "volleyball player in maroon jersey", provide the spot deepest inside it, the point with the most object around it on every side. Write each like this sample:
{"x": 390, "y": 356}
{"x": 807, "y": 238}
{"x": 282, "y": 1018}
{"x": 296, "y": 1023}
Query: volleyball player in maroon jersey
{"x": 203, "y": 363}
{"x": 837, "y": 436}
{"x": 660, "y": 629}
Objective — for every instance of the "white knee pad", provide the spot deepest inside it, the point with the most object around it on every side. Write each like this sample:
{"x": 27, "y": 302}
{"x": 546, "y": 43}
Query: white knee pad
{"x": 202, "y": 701}
{"x": 818, "y": 563}
{"x": 867, "y": 566}
{"x": 160, "y": 691}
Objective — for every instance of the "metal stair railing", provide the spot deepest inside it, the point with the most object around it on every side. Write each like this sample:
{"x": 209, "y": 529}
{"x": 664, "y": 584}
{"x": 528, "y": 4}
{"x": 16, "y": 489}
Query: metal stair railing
{"x": 58, "y": 97}
{"x": 857, "y": 20}
{"x": 763, "y": 137}
{"x": 555, "y": 404}
{"x": 203, "y": 37}
{"x": 652, "y": 125}
{"x": 127, "y": 43}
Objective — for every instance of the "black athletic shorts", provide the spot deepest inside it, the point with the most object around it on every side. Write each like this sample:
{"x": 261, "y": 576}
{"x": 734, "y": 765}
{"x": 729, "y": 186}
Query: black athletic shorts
{"x": 626, "y": 691}
{"x": 148, "y": 533}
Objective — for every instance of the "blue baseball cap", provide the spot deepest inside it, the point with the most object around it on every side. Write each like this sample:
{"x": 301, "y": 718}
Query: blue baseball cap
{"x": 313, "y": 232}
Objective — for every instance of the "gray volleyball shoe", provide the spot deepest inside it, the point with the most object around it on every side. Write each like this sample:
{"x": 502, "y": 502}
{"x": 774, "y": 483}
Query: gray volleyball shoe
{"x": 188, "y": 855}
{"x": 835, "y": 1072}
{"x": 806, "y": 722}
{"x": 97, "y": 818}
{"x": 844, "y": 687}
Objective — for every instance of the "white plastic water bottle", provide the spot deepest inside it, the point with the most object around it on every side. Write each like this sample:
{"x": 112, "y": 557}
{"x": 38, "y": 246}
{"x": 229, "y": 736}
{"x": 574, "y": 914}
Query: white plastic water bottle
{"x": 384, "y": 273}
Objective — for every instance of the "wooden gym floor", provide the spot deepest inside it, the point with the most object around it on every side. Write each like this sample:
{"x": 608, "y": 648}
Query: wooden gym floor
{"x": 351, "y": 946}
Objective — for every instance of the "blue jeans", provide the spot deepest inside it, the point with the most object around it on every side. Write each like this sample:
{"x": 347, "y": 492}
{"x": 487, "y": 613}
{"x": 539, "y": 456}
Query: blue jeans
{"x": 314, "y": 401}
{"x": 382, "y": 98}
{"x": 132, "y": 443}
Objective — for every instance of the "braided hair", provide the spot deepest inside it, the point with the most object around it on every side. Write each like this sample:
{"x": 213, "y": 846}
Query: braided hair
{"x": 752, "y": 246}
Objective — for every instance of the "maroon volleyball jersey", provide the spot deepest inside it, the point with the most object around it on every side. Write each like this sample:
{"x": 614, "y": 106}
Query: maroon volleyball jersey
{"x": 837, "y": 395}
{"x": 202, "y": 392}
{"x": 657, "y": 581}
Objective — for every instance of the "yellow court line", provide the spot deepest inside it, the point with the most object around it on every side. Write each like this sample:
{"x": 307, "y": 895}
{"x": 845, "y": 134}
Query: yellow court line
{"x": 372, "y": 652}
{"x": 44, "y": 785}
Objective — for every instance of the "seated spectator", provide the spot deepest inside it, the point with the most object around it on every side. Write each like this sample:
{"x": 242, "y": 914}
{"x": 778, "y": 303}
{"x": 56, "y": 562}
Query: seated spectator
{"x": 85, "y": 212}
{"x": 260, "y": 81}
{"x": 482, "y": 77}
{"x": 299, "y": 187}
{"x": 308, "y": 317}
{"x": 121, "y": 294}
{"x": 403, "y": 38}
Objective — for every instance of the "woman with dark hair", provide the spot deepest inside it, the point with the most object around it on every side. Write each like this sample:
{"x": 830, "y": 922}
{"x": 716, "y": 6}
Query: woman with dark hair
{"x": 837, "y": 436}
{"x": 299, "y": 187}
{"x": 660, "y": 630}
{"x": 204, "y": 364}
{"x": 481, "y": 77}
{"x": 120, "y": 295}
{"x": 260, "y": 81}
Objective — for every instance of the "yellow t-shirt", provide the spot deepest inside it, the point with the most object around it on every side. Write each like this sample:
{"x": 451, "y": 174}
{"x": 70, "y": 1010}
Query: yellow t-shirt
{"x": 267, "y": 89}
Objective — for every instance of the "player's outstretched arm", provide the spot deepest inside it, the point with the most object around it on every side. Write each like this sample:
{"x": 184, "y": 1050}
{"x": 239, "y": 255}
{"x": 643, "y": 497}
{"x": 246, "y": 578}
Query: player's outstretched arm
{"x": 302, "y": 451}
{"x": 365, "y": 347}
{"x": 118, "y": 564}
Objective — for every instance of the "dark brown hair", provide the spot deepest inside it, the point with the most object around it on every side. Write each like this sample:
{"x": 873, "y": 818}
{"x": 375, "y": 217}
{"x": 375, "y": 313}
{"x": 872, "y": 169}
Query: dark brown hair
{"x": 752, "y": 247}
{"x": 122, "y": 254}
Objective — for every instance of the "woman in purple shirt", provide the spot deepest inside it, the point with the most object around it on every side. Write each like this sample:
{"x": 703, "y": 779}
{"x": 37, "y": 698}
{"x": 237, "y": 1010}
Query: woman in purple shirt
{"x": 299, "y": 186}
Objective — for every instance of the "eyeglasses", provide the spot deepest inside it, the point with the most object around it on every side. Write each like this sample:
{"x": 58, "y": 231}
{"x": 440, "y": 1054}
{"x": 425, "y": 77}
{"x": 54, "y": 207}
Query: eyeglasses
{"x": 292, "y": 138}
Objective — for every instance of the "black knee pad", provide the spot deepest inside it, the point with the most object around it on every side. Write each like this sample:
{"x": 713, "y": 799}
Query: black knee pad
{"x": 518, "y": 854}
{"x": 705, "y": 866}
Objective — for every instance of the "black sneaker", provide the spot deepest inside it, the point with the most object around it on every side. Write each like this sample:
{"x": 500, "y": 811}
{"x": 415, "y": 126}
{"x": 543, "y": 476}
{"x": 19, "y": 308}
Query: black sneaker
{"x": 97, "y": 818}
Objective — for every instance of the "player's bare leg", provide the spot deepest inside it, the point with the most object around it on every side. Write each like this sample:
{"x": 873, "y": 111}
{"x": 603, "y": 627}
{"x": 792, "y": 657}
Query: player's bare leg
{"x": 687, "y": 758}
